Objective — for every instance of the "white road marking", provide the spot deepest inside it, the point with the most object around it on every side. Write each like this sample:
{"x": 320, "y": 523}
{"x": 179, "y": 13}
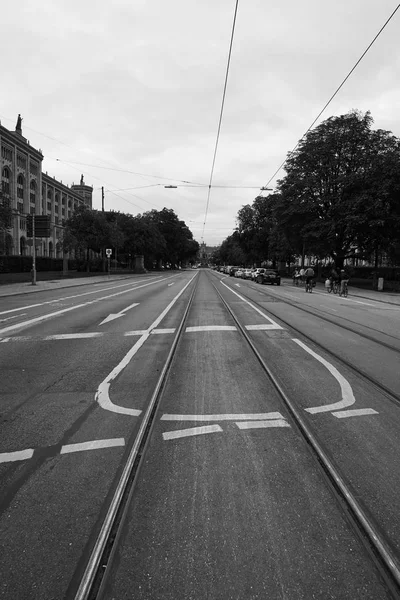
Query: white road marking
{"x": 211, "y": 328}
{"x": 223, "y": 417}
{"x": 263, "y": 326}
{"x": 262, "y": 424}
{"x": 342, "y": 414}
{"x": 113, "y": 316}
{"x": 138, "y": 332}
{"x": 102, "y": 394}
{"x": 15, "y": 456}
{"x": 169, "y": 285}
{"x": 13, "y": 317}
{"x": 171, "y": 435}
{"x": 160, "y": 331}
{"x": 4, "y": 312}
{"x": 73, "y": 336}
{"x": 237, "y": 284}
{"x": 252, "y": 306}
{"x": 93, "y": 445}
{"x": 347, "y": 393}
{"x": 64, "y": 310}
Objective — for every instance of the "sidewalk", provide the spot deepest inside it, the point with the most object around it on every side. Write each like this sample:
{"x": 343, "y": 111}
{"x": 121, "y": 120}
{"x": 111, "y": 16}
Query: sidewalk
{"x": 15, "y": 289}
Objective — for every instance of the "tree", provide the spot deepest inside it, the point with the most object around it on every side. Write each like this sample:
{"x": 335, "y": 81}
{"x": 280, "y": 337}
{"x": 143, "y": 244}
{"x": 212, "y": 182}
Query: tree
{"x": 329, "y": 182}
{"x": 5, "y": 221}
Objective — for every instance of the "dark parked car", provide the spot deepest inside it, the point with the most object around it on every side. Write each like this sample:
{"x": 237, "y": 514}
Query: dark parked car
{"x": 269, "y": 276}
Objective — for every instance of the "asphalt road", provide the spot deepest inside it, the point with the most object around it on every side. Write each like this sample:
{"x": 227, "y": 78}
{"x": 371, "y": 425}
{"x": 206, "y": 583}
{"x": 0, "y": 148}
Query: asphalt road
{"x": 229, "y": 502}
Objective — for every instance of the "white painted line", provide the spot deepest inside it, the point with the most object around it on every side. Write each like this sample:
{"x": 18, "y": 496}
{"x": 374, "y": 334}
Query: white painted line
{"x": 3, "y": 340}
{"x": 113, "y": 316}
{"x": 252, "y": 306}
{"x": 93, "y": 445}
{"x": 138, "y": 332}
{"x": 211, "y": 328}
{"x": 4, "y": 312}
{"x": 223, "y": 417}
{"x": 262, "y": 327}
{"x": 347, "y": 393}
{"x": 169, "y": 285}
{"x": 64, "y": 310}
{"x": 160, "y": 331}
{"x": 342, "y": 414}
{"x": 15, "y": 456}
{"x": 13, "y": 317}
{"x": 262, "y": 424}
{"x": 102, "y": 393}
{"x": 19, "y": 338}
{"x": 74, "y": 336}
{"x": 171, "y": 435}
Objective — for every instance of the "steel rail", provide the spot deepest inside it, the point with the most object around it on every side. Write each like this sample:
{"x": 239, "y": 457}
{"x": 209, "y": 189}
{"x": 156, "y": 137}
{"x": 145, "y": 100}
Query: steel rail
{"x": 381, "y": 553}
{"x": 379, "y": 386}
{"x": 96, "y": 569}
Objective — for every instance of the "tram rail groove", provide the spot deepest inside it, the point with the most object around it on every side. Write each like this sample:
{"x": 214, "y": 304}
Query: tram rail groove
{"x": 390, "y": 394}
{"x": 378, "y": 549}
{"x": 93, "y": 581}
{"x": 333, "y": 322}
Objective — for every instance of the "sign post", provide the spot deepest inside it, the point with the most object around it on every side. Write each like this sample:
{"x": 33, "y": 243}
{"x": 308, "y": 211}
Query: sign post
{"x": 33, "y": 252}
{"x": 108, "y": 254}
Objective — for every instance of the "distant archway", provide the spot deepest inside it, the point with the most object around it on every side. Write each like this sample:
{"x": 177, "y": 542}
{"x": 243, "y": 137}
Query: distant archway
{"x": 22, "y": 246}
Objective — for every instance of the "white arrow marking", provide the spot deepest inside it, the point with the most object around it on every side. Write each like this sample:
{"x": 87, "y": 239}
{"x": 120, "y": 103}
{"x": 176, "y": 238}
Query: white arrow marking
{"x": 120, "y": 314}
{"x": 237, "y": 284}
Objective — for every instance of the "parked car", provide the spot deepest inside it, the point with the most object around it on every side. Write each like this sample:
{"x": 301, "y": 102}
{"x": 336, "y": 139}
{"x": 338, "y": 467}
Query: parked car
{"x": 239, "y": 273}
{"x": 269, "y": 276}
{"x": 247, "y": 274}
{"x": 255, "y": 273}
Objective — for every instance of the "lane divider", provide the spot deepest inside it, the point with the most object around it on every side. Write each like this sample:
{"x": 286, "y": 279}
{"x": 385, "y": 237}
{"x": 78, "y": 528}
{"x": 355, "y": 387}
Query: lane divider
{"x": 21, "y": 455}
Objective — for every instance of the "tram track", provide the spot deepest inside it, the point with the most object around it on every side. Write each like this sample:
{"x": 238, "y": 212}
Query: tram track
{"x": 378, "y": 548}
{"x": 390, "y": 394}
{"x": 93, "y": 583}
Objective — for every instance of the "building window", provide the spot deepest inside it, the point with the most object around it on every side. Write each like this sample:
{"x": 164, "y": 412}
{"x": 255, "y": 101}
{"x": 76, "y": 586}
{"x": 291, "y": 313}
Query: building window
{"x": 34, "y": 168}
{"x": 33, "y": 192}
{"x": 5, "y": 181}
{"x": 56, "y": 208}
{"x": 22, "y": 224}
{"x": 20, "y": 187}
{"x": 63, "y": 212}
{"x": 6, "y": 153}
{"x": 49, "y": 206}
{"x": 56, "y": 220}
{"x": 32, "y": 210}
{"x": 49, "y": 195}
{"x": 21, "y": 161}
{"x": 20, "y": 207}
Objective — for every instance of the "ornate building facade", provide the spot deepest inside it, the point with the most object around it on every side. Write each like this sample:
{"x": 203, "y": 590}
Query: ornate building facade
{"x": 29, "y": 191}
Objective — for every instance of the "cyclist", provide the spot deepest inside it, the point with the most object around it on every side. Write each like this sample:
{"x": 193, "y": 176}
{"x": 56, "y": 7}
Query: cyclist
{"x": 344, "y": 278}
{"x": 335, "y": 277}
{"x": 309, "y": 275}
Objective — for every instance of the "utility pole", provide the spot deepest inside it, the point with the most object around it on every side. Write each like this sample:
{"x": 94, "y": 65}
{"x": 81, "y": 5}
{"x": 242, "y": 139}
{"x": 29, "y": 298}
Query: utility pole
{"x": 102, "y": 198}
{"x": 33, "y": 252}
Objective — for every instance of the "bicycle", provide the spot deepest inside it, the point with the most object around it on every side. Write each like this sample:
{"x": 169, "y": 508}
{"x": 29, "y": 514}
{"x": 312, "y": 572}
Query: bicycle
{"x": 309, "y": 286}
{"x": 335, "y": 287}
{"x": 344, "y": 290}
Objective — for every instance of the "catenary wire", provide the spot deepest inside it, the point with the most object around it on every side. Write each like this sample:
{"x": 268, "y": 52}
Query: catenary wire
{"x": 334, "y": 94}
{"x": 220, "y": 118}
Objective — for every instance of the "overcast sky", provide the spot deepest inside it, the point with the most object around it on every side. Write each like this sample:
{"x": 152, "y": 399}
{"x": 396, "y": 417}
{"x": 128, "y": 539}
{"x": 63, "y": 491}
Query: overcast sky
{"x": 136, "y": 85}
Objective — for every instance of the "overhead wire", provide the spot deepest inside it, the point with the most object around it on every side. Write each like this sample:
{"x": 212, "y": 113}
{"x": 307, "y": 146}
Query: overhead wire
{"x": 220, "y": 118}
{"x": 334, "y": 94}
